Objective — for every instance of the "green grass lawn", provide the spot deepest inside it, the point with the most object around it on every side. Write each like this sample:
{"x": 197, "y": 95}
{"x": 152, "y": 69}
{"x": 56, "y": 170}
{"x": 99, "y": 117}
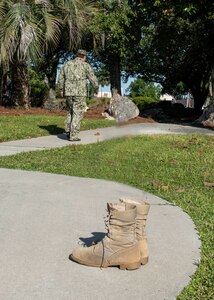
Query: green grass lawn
{"x": 29, "y": 126}
{"x": 178, "y": 168}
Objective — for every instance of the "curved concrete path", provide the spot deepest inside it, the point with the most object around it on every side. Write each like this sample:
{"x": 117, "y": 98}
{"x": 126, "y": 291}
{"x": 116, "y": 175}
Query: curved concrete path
{"x": 44, "y": 216}
{"x": 93, "y": 136}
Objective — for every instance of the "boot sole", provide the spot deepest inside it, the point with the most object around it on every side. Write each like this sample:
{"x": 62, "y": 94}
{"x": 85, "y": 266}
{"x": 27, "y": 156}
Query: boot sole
{"x": 132, "y": 266}
{"x": 122, "y": 266}
{"x": 144, "y": 260}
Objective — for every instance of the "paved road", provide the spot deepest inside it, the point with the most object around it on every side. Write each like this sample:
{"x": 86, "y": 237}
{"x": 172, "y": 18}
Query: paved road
{"x": 44, "y": 216}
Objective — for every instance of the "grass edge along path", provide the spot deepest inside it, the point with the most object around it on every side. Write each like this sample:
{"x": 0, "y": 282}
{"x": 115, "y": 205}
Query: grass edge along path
{"x": 31, "y": 126}
{"x": 178, "y": 168}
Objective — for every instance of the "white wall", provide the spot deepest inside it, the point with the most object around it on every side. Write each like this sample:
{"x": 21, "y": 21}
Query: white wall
{"x": 103, "y": 94}
{"x": 166, "y": 97}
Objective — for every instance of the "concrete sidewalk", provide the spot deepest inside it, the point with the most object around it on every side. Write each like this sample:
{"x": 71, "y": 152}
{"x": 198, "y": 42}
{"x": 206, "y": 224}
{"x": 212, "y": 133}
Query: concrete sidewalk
{"x": 44, "y": 216}
{"x": 93, "y": 136}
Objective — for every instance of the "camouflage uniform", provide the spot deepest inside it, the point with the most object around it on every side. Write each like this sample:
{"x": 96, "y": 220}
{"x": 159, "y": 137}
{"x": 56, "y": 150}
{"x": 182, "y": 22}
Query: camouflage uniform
{"x": 72, "y": 81}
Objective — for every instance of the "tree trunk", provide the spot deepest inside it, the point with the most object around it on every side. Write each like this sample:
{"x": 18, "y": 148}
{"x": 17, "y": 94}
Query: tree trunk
{"x": 114, "y": 70}
{"x": 1, "y": 86}
{"x": 51, "y": 73}
{"x": 6, "y": 98}
{"x": 200, "y": 97}
{"x": 199, "y": 88}
{"x": 211, "y": 87}
{"x": 20, "y": 84}
{"x": 50, "y": 70}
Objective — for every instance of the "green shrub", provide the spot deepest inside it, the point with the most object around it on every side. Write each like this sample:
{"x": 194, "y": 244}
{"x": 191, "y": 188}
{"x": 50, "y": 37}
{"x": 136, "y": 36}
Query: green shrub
{"x": 95, "y": 101}
{"x": 58, "y": 92}
{"x": 91, "y": 101}
{"x": 38, "y": 88}
{"x": 105, "y": 101}
{"x": 143, "y": 102}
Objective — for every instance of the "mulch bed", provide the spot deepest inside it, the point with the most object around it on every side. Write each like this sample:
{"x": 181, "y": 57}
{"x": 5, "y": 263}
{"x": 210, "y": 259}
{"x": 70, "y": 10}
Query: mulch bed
{"x": 92, "y": 113}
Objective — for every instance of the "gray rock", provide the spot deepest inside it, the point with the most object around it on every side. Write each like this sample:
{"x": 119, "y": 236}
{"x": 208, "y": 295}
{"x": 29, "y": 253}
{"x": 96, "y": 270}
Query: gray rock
{"x": 122, "y": 108}
{"x": 209, "y": 122}
{"x": 207, "y": 118}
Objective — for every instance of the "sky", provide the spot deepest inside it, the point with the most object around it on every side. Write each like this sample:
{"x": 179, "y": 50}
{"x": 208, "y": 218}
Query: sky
{"x": 124, "y": 86}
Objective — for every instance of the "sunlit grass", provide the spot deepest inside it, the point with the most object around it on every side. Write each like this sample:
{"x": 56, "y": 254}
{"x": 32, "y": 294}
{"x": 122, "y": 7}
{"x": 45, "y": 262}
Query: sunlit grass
{"x": 29, "y": 126}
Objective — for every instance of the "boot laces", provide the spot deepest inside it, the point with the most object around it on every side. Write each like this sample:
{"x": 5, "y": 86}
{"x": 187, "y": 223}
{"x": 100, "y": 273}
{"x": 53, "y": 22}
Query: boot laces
{"x": 107, "y": 223}
{"x": 107, "y": 227}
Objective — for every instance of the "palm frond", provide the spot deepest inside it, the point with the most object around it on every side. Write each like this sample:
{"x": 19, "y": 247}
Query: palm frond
{"x": 28, "y": 28}
{"x": 53, "y": 26}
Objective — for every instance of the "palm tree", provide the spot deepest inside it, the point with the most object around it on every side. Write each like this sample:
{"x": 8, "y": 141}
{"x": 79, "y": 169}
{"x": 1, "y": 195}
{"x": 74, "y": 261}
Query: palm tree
{"x": 77, "y": 16}
{"x": 25, "y": 27}
{"x": 29, "y": 27}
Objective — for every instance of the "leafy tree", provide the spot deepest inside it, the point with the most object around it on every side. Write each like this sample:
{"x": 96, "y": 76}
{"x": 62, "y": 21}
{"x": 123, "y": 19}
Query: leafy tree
{"x": 115, "y": 34}
{"x": 176, "y": 47}
{"x": 141, "y": 88}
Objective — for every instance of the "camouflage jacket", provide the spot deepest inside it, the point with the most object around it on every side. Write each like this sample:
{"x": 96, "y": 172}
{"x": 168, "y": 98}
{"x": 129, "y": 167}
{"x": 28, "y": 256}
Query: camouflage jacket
{"x": 73, "y": 76}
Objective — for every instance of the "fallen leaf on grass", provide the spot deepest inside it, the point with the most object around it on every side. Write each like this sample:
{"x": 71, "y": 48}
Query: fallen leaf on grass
{"x": 200, "y": 152}
{"x": 183, "y": 189}
{"x": 173, "y": 161}
{"x": 192, "y": 140}
{"x": 156, "y": 183}
{"x": 208, "y": 183}
{"x": 165, "y": 187}
{"x": 74, "y": 147}
{"x": 180, "y": 190}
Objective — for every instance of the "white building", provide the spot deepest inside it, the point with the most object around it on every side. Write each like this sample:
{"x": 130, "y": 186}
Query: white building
{"x": 103, "y": 94}
{"x": 167, "y": 97}
{"x": 186, "y": 100}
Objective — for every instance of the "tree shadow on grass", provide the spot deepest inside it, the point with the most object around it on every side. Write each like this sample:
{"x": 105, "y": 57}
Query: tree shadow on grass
{"x": 52, "y": 129}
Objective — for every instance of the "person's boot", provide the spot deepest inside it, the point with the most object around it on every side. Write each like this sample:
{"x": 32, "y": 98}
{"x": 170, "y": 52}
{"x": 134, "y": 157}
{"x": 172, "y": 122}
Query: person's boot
{"x": 140, "y": 224}
{"x": 119, "y": 247}
{"x": 74, "y": 139}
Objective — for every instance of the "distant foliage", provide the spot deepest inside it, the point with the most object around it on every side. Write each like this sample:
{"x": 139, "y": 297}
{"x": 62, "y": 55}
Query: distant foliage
{"x": 38, "y": 88}
{"x": 143, "y": 102}
{"x": 95, "y": 101}
{"x": 141, "y": 88}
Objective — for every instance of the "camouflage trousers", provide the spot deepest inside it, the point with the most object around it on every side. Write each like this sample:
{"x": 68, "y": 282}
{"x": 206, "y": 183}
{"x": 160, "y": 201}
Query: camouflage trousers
{"x": 76, "y": 106}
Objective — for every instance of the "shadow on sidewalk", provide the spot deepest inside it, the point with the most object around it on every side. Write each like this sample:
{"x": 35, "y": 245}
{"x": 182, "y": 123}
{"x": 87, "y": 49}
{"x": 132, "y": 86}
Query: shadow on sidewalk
{"x": 97, "y": 236}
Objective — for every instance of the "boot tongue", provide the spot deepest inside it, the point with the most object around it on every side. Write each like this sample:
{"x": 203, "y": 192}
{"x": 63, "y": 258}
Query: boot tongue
{"x": 121, "y": 211}
{"x": 129, "y": 206}
{"x": 121, "y": 224}
{"x": 116, "y": 206}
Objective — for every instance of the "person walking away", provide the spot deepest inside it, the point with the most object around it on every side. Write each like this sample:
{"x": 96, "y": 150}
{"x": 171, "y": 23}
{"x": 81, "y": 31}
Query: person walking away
{"x": 72, "y": 84}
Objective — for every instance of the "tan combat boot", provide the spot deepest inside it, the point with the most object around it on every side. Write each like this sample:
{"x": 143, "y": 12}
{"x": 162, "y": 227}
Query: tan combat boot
{"x": 140, "y": 223}
{"x": 119, "y": 247}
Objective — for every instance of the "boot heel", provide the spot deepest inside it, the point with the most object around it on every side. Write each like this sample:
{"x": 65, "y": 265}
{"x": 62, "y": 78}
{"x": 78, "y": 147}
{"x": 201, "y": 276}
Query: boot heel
{"x": 132, "y": 266}
{"x": 144, "y": 260}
